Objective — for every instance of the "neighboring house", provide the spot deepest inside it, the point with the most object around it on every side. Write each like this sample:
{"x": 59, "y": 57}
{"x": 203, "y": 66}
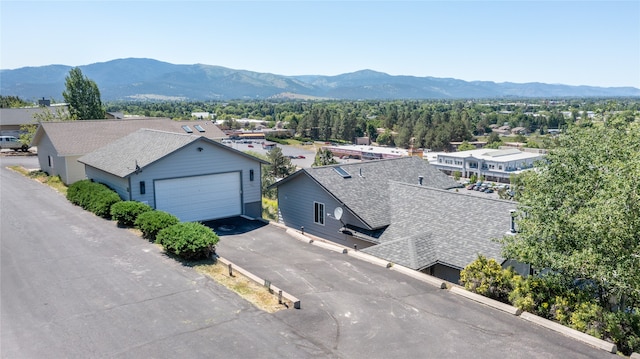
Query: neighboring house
{"x": 309, "y": 197}
{"x": 12, "y": 119}
{"x": 493, "y": 165}
{"x": 60, "y": 144}
{"x": 440, "y": 232}
{"x": 402, "y": 210}
{"x": 189, "y": 176}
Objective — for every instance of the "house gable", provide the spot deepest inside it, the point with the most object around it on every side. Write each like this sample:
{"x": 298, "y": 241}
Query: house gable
{"x": 135, "y": 165}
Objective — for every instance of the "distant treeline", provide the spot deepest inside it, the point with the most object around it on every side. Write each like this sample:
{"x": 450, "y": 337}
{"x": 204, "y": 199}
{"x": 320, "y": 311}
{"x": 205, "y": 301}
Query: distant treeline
{"x": 425, "y": 124}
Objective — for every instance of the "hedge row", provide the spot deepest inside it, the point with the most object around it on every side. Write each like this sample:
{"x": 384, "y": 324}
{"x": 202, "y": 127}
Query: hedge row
{"x": 126, "y": 212}
{"x": 94, "y": 197}
{"x": 575, "y": 304}
{"x": 185, "y": 240}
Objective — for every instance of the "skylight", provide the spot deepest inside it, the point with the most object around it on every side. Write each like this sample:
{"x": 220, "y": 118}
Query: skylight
{"x": 342, "y": 172}
{"x": 199, "y": 128}
{"x": 187, "y": 129}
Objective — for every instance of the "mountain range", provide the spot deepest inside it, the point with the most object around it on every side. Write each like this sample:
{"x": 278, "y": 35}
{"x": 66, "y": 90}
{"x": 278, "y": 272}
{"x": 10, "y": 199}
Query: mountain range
{"x": 148, "y": 79}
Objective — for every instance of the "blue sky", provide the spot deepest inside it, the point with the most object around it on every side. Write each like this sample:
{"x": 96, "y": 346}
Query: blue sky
{"x": 594, "y": 43}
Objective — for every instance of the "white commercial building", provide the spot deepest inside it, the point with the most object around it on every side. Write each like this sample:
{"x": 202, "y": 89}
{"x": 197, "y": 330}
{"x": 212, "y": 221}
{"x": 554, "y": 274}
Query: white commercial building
{"x": 493, "y": 165}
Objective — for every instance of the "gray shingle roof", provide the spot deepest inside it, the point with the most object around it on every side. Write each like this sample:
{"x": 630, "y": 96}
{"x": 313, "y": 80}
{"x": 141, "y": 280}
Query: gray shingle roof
{"x": 438, "y": 226}
{"x": 71, "y": 138}
{"x": 143, "y": 148}
{"x": 366, "y": 192}
{"x": 25, "y": 116}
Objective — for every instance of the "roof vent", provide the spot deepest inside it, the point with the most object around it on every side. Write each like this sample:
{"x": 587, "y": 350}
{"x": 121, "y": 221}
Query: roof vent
{"x": 342, "y": 172}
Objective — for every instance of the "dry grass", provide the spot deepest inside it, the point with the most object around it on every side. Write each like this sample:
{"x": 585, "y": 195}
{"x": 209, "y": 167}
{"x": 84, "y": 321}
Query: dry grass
{"x": 52, "y": 181}
{"x": 243, "y": 286}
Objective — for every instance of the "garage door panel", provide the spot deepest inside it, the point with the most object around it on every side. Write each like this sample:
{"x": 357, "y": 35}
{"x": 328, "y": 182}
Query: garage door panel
{"x": 200, "y": 197}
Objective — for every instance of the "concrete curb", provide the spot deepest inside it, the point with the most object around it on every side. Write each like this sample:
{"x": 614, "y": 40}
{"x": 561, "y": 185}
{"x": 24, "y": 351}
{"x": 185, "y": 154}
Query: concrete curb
{"x": 486, "y": 301}
{"x": 455, "y": 289}
{"x": 253, "y": 277}
{"x": 583, "y": 337}
{"x": 436, "y": 282}
{"x": 303, "y": 238}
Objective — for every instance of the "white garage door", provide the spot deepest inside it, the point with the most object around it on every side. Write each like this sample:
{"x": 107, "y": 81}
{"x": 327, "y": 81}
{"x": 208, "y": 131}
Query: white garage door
{"x": 200, "y": 198}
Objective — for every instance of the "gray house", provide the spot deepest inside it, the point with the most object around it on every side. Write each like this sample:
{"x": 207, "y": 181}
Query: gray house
{"x": 309, "y": 198}
{"x": 190, "y": 176}
{"x": 402, "y": 210}
{"x": 60, "y": 144}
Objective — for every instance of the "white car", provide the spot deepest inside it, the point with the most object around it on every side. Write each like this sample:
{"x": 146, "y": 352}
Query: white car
{"x": 11, "y": 142}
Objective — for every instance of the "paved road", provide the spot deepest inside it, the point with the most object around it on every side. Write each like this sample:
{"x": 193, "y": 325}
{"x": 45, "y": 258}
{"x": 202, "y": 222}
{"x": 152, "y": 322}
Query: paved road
{"x": 76, "y": 286}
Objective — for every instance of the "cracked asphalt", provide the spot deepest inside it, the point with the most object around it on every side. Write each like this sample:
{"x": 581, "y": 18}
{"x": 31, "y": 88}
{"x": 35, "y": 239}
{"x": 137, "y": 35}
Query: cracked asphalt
{"x": 76, "y": 286}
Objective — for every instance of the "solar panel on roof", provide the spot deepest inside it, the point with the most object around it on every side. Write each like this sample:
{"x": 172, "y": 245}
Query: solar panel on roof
{"x": 342, "y": 172}
{"x": 187, "y": 129}
{"x": 199, "y": 128}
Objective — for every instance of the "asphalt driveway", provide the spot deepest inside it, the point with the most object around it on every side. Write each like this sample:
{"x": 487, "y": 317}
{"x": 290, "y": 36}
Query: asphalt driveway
{"x": 357, "y": 310}
{"x": 75, "y": 286}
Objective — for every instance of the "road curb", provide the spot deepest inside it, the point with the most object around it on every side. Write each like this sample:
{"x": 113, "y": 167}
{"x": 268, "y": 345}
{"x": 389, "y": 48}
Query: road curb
{"x": 255, "y": 278}
{"x": 436, "y": 282}
{"x": 570, "y": 332}
{"x": 486, "y": 301}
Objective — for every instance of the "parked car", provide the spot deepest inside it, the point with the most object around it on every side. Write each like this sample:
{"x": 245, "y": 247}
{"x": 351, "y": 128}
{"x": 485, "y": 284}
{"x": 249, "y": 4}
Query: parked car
{"x": 250, "y": 146}
{"x": 12, "y": 143}
{"x": 301, "y": 156}
{"x": 471, "y": 187}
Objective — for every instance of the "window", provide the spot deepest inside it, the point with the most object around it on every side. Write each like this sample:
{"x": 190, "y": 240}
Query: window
{"x": 50, "y": 161}
{"x": 250, "y": 175}
{"x": 143, "y": 188}
{"x": 199, "y": 128}
{"x": 342, "y": 172}
{"x": 187, "y": 129}
{"x": 318, "y": 213}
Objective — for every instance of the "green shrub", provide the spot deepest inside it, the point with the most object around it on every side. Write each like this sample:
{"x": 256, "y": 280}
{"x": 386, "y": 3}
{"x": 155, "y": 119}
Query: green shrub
{"x": 152, "y": 222}
{"x": 126, "y": 212}
{"x": 587, "y": 318}
{"x": 188, "y": 240}
{"x": 92, "y": 196}
{"x": 623, "y": 328}
{"x": 78, "y": 193}
{"x": 485, "y": 276}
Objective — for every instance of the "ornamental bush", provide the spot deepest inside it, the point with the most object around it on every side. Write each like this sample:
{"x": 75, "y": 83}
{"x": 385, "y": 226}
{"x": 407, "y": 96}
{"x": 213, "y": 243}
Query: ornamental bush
{"x": 93, "y": 196}
{"x": 126, "y": 212}
{"x": 188, "y": 240}
{"x": 152, "y": 222}
{"x": 485, "y": 276}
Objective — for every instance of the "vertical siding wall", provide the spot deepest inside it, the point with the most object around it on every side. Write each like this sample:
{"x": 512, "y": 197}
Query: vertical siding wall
{"x": 118, "y": 184}
{"x": 59, "y": 168}
{"x": 296, "y": 206}
{"x": 186, "y": 162}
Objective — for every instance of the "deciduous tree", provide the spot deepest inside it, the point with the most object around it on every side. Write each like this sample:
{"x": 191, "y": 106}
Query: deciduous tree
{"x": 83, "y": 96}
{"x": 579, "y": 212}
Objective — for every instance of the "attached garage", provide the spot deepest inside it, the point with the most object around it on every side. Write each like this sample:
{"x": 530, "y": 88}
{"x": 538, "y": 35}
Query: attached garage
{"x": 200, "y": 198}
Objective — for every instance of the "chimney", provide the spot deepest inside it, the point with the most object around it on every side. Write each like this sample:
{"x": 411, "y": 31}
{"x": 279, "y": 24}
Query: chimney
{"x": 420, "y": 178}
{"x": 512, "y": 214}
